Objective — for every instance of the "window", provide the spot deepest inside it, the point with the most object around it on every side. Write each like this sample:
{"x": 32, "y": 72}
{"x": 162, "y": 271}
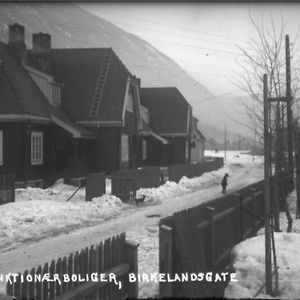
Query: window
{"x": 124, "y": 148}
{"x": 144, "y": 150}
{"x": 1, "y": 147}
{"x": 130, "y": 105}
{"x": 186, "y": 150}
{"x": 56, "y": 95}
{"x": 36, "y": 148}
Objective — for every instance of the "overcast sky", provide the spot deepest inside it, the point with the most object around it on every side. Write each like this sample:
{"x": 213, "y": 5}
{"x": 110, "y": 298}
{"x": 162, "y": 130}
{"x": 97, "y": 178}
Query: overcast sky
{"x": 201, "y": 37}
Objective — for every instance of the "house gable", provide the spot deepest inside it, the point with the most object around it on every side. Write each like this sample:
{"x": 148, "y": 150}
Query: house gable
{"x": 95, "y": 83}
{"x": 24, "y": 100}
{"x": 170, "y": 113}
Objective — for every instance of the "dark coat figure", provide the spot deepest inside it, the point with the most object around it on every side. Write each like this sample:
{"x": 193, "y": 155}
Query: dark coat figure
{"x": 224, "y": 183}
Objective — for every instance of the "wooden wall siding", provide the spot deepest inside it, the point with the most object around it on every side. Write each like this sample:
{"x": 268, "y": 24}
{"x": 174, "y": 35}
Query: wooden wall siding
{"x": 17, "y": 150}
{"x": 210, "y": 229}
{"x": 115, "y": 255}
{"x": 7, "y": 188}
{"x": 178, "y": 146}
{"x": 13, "y": 149}
{"x": 95, "y": 186}
{"x": 107, "y": 149}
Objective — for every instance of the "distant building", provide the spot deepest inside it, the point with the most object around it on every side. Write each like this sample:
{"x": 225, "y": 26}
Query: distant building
{"x": 197, "y": 143}
{"x": 170, "y": 118}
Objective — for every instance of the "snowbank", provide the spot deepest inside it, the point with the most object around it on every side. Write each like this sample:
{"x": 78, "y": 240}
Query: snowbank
{"x": 31, "y": 220}
{"x": 249, "y": 263}
{"x": 59, "y": 192}
{"x": 171, "y": 189}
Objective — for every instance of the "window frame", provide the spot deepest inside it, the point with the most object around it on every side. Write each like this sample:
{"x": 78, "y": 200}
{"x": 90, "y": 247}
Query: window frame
{"x": 144, "y": 149}
{"x": 186, "y": 150}
{"x": 124, "y": 142}
{"x": 37, "y": 148}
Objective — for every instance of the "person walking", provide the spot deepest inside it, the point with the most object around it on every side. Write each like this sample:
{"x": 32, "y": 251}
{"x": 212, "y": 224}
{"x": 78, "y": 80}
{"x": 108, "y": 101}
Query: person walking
{"x": 224, "y": 183}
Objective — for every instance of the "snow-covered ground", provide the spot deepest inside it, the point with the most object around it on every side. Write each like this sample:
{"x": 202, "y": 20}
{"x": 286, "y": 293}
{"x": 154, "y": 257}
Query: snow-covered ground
{"x": 249, "y": 262}
{"x": 41, "y": 225}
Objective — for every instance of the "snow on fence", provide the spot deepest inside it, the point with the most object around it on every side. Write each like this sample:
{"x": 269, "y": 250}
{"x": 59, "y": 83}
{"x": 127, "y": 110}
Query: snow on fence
{"x": 176, "y": 172}
{"x": 100, "y": 268}
{"x": 201, "y": 238}
{"x": 95, "y": 185}
{"x": 7, "y": 188}
{"x": 126, "y": 182}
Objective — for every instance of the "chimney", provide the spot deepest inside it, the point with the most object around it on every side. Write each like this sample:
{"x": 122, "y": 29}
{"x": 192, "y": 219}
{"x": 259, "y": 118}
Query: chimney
{"x": 16, "y": 41}
{"x": 41, "y": 42}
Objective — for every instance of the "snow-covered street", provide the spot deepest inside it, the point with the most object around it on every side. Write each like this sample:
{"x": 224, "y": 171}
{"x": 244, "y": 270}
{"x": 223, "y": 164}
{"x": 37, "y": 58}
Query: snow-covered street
{"x": 41, "y": 225}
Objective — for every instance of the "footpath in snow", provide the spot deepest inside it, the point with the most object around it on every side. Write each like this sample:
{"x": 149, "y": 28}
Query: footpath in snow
{"x": 41, "y": 225}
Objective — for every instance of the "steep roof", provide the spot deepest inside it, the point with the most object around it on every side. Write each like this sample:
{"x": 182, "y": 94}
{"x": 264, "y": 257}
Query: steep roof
{"x": 168, "y": 110}
{"x": 23, "y": 100}
{"x": 79, "y": 70}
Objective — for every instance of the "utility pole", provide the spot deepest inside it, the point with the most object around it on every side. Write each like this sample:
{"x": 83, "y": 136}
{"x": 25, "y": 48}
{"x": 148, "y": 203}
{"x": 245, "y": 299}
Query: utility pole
{"x": 297, "y": 165}
{"x": 277, "y": 170}
{"x": 289, "y": 109}
{"x": 225, "y": 142}
{"x": 267, "y": 216}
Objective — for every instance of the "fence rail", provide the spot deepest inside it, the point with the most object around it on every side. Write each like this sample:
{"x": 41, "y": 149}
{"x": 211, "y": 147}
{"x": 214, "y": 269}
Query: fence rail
{"x": 200, "y": 239}
{"x": 7, "y": 188}
{"x": 90, "y": 274}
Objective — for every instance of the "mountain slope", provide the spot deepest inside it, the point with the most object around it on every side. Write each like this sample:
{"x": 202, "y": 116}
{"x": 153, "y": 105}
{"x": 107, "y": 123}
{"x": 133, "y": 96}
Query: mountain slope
{"x": 70, "y": 26}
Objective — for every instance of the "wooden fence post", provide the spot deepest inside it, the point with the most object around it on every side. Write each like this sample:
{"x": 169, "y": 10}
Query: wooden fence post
{"x": 212, "y": 243}
{"x": 239, "y": 209}
{"x": 165, "y": 259}
{"x": 253, "y": 205}
{"x": 131, "y": 256}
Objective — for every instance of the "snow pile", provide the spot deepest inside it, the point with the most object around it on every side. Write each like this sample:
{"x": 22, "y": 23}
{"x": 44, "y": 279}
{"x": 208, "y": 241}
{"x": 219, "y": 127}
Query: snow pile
{"x": 187, "y": 185}
{"x": 108, "y": 186}
{"x": 249, "y": 263}
{"x": 32, "y": 220}
{"x": 108, "y": 201}
{"x": 59, "y": 191}
{"x": 164, "y": 192}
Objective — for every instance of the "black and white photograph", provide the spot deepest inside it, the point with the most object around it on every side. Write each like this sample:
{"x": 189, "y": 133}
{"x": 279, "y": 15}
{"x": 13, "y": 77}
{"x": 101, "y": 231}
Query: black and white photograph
{"x": 149, "y": 150}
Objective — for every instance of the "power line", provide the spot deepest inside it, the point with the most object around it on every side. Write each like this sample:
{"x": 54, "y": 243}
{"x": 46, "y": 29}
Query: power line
{"x": 178, "y": 27}
{"x": 84, "y": 29}
{"x": 216, "y": 97}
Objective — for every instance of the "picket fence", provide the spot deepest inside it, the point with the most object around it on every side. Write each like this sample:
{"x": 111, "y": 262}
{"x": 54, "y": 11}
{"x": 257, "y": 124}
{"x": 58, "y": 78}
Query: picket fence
{"x": 115, "y": 256}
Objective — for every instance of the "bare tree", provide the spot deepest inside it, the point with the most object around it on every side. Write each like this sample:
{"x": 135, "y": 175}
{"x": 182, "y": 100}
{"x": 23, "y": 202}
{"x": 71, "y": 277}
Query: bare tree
{"x": 265, "y": 54}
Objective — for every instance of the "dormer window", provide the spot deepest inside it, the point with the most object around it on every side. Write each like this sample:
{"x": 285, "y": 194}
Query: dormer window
{"x": 55, "y": 95}
{"x": 47, "y": 84}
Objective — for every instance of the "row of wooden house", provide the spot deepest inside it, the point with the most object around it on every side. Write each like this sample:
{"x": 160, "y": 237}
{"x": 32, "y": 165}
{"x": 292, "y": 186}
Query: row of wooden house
{"x": 70, "y": 112}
